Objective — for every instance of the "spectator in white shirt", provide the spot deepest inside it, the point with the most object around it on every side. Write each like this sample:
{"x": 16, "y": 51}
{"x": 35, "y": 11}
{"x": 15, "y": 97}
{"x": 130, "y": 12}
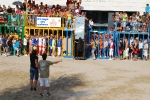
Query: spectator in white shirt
{"x": 145, "y": 49}
{"x": 141, "y": 49}
{"x": 91, "y": 23}
{"x": 105, "y": 47}
{"x": 131, "y": 40}
{"x": 25, "y": 46}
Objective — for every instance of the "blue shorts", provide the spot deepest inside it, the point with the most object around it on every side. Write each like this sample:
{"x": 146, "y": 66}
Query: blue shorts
{"x": 34, "y": 74}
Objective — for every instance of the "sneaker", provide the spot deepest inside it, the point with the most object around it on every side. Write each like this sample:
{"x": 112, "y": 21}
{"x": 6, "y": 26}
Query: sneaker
{"x": 25, "y": 55}
{"x": 48, "y": 94}
{"x": 100, "y": 56}
{"x": 105, "y": 56}
{"x": 31, "y": 89}
{"x": 34, "y": 89}
{"x": 110, "y": 59}
{"x": 41, "y": 95}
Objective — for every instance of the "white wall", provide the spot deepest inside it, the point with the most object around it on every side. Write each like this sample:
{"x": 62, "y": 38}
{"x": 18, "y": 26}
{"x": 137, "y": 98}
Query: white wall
{"x": 115, "y": 5}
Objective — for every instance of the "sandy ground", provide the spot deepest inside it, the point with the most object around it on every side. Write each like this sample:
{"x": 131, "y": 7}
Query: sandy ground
{"x": 78, "y": 80}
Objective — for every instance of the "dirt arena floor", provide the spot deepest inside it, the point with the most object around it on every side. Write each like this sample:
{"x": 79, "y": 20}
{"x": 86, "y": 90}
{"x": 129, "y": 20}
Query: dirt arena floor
{"x": 78, "y": 80}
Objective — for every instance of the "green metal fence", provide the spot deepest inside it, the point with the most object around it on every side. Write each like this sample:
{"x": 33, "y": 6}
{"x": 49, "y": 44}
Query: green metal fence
{"x": 12, "y": 19}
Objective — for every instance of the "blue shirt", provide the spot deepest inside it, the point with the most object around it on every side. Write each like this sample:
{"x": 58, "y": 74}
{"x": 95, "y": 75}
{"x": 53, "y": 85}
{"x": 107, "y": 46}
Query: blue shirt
{"x": 34, "y": 42}
{"x": 59, "y": 43}
{"x": 147, "y": 9}
{"x": 17, "y": 44}
{"x": 50, "y": 42}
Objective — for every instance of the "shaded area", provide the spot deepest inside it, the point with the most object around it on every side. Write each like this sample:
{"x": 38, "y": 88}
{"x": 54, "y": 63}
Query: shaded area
{"x": 62, "y": 88}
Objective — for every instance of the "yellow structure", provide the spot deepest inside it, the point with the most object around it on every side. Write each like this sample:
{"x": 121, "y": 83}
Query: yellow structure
{"x": 67, "y": 35}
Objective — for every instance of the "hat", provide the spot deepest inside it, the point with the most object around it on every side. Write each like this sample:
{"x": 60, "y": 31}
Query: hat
{"x": 34, "y": 48}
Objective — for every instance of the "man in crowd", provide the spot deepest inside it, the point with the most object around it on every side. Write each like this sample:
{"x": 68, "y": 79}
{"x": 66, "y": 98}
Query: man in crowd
{"x": 145, "y": 49}
{"x": 111, "y": 50}
{"x": 17, "y": 47}
{"x": 50, "y": 46}
{"x": 69, "y": 19}
{"x": 59, "y": 45}
{"x": 1, "y": 44}
{"x": 147, "y": 9}
{"x": 126, "y": 48}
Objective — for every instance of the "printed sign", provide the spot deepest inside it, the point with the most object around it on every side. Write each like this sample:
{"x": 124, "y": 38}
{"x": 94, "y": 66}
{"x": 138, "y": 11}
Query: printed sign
{"x": 48, "y": 22}
{"x": 79, "y": 27}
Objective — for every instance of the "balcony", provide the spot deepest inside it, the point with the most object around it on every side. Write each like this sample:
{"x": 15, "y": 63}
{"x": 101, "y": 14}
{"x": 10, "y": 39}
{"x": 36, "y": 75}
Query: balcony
{"x": 12, "y": 20}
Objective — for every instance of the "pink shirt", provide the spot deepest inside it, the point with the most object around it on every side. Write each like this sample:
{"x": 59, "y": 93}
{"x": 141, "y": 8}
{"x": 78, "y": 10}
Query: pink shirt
{"x": 18, "y": 12}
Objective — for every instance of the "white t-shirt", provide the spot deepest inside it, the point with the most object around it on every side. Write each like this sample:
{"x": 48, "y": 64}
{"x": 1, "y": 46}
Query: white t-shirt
{"x": 40, "y": 41}
{"x": 105, "y": 44}
{"x": 25, "y": 42}
{"x": 145, "y": 46}
{"x": 77, "y": 11}
{"x": 91, "y": 23}
{"x": 140, "y": 45}
{"x": 131, "y": 40}
{"x": 44, "y": 42}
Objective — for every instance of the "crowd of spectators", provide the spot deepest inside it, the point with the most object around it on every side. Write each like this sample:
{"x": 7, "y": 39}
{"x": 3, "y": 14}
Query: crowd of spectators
{"x": 136, "y": 22}
{"x": 43, "y": 10}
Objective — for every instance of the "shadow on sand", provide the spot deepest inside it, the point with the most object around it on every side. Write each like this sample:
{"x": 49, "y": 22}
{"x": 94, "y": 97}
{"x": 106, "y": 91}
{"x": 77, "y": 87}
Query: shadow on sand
{"x": 61, "y": 89}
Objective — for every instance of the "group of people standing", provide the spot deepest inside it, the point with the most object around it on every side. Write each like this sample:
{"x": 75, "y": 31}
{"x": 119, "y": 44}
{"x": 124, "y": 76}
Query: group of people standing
{"x": 44, "y": 44}
{"x": 133, "y": 49}
{"x": 14, "y": 45}
{"x": 10, "y": 45}
{"x": 107, "y": 46}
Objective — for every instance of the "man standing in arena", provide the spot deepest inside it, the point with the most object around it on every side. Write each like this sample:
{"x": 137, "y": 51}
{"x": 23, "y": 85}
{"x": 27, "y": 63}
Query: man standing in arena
{"x": 33, "y": 69}
{"x": 44, "y": 73}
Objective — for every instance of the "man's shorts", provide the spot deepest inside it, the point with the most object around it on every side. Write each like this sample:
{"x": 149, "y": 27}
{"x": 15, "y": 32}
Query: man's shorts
{"x": 34, "y": 74}
{"x": 45, "y": 82}
{"x": 93, "y": 50}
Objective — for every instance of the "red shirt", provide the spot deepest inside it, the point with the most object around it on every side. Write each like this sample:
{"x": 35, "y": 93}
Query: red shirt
{"x": 112, "y": 45}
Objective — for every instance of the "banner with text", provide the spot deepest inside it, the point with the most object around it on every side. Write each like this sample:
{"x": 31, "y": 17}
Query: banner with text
{"x": 48, "y": 22}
